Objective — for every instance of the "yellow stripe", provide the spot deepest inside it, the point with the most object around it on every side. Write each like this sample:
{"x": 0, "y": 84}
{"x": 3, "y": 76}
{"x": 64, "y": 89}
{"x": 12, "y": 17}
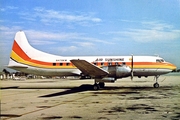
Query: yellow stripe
{"x": 20, "y": 60}
{"x": 163, "y": 66}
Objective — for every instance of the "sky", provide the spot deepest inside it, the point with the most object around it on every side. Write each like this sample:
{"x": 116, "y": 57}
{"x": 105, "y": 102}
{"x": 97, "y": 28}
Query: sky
{"x": 93, "y": 27}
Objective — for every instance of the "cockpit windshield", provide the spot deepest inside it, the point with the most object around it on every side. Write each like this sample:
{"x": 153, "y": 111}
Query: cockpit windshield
{"x": 160, "y": 60}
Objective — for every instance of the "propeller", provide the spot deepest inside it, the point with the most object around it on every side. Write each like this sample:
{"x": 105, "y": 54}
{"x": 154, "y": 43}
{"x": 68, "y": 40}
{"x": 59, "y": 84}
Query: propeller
{"x": 132, "y": 63}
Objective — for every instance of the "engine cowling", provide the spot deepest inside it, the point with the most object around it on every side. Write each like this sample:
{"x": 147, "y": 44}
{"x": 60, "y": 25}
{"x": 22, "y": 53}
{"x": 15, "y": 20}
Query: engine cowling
{"x": 106, "y": 79}
{"x": 118, "y": 71}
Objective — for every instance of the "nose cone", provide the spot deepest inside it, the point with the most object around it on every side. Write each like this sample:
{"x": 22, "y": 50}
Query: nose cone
{"x": 172, "y": 67}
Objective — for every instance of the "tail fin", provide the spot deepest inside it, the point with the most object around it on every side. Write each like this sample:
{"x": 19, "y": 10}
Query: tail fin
{"x": 22, "y": 52}
{"x": 21, "y": 40}
{"x": 21, "y": 48}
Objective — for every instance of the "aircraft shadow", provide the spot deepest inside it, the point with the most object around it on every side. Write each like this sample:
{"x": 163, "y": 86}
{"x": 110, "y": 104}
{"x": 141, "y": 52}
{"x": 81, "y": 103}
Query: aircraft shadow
{"x": 11, "y": 87}
{"x": 87, "y": 87}
{"x": 73, "y": 90}
{"x": 82, "y": 88}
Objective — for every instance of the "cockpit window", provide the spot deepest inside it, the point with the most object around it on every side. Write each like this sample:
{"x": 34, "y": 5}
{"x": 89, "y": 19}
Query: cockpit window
{"x": 162, "y": 60}
{"x": 159, "y": 60}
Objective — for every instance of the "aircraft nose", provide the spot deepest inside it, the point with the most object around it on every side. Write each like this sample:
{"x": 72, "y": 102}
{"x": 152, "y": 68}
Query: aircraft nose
{"x": 173, "y": 67}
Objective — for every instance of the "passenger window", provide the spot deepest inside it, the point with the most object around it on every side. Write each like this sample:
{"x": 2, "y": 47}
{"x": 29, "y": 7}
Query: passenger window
{"x": 54, "y": 64}
{"x": 109, "y": 64}
{"x": 61, "y": 64}
{"x": 123, "y": 63}
{"x": 116, "y": 63}
{"x": 67, "y": 64}
{"x": 95, "y": 63}
{"x": 102, "y": 64}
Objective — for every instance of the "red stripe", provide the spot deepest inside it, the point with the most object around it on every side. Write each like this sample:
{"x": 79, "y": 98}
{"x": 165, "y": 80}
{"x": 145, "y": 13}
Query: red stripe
{"x": 17, "y": 49}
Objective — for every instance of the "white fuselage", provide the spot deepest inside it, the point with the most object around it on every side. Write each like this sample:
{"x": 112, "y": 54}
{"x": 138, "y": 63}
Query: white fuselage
{"x": 27, "y": 59}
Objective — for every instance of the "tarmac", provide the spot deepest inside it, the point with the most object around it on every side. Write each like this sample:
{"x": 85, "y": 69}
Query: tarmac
{"x": 46, "y": 99}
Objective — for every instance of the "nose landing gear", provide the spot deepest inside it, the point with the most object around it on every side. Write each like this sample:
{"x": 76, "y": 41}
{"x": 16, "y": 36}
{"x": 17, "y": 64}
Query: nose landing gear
{"x": 156, "y": 84}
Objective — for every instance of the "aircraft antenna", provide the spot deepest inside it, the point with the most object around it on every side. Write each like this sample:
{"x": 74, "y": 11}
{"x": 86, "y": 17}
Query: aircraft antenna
{"x": 157, "y": 55}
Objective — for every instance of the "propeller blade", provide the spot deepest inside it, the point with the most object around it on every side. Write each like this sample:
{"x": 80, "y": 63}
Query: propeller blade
{"x": 132, "y": 65}
{"x": 132, "y": 75}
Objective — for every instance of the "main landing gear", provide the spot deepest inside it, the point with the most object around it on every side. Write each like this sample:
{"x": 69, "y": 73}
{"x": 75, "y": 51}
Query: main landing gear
{"x": 99, "y": 85}
{"x": 156, "y": 84}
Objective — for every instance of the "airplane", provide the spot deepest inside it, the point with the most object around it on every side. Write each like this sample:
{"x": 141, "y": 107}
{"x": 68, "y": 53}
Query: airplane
{"x": 102, "y": 69}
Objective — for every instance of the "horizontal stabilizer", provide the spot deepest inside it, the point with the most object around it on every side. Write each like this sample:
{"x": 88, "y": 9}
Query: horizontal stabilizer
{"x": 17, "y": 67}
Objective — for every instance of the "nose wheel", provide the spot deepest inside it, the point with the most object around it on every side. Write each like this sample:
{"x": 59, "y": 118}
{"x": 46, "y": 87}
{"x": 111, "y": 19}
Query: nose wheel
{"x": 156, "y": 84}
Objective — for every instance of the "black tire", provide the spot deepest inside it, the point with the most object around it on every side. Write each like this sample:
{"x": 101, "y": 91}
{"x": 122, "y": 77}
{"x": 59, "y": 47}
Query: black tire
{"x": 156, "y": 85}
{"x": 101, "y": 84}
{"x": 95, "y": 87}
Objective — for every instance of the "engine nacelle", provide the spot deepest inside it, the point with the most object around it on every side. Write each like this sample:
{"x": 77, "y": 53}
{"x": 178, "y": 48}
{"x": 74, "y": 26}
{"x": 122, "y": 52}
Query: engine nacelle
{"x": 106, "y": 79}
{"x": 118, "y": 71}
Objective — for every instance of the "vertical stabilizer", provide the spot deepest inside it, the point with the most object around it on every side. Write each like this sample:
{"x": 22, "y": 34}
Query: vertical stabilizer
{"x": 21, "y": 40}
{"x": 23, "y": 53}
{"x": 20, "y": 49}
{"x": 21, "y": 45}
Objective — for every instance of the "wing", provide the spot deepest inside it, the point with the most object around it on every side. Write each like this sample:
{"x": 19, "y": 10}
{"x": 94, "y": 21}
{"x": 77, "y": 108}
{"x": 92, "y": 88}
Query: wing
{"x": 89, "y": 69}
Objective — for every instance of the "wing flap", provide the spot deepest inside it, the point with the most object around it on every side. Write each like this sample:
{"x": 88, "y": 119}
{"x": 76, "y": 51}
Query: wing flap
{"x": 89, "y": 69}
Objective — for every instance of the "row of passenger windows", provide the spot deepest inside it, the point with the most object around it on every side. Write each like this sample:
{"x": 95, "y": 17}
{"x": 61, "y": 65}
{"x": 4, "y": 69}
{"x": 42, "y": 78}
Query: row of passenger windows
{"x": 61, "y": 64}
{"x": 109, "y": 63}
{"x": 102, "y": 63}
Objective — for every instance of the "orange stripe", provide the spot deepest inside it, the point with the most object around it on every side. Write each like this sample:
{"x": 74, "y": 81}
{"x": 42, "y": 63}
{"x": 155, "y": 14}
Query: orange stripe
{"x": 25, "y": 57}
{"x": 19, "y": 51}
{"x": 27, "y": 60}
{"x": 40, "y": 62}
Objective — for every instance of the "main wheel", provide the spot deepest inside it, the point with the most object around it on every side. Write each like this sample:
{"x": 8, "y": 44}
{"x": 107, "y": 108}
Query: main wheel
{"x": 96, "y": 87}
{"x": 101, "y": 84}
{"x": 156, "y": 85}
